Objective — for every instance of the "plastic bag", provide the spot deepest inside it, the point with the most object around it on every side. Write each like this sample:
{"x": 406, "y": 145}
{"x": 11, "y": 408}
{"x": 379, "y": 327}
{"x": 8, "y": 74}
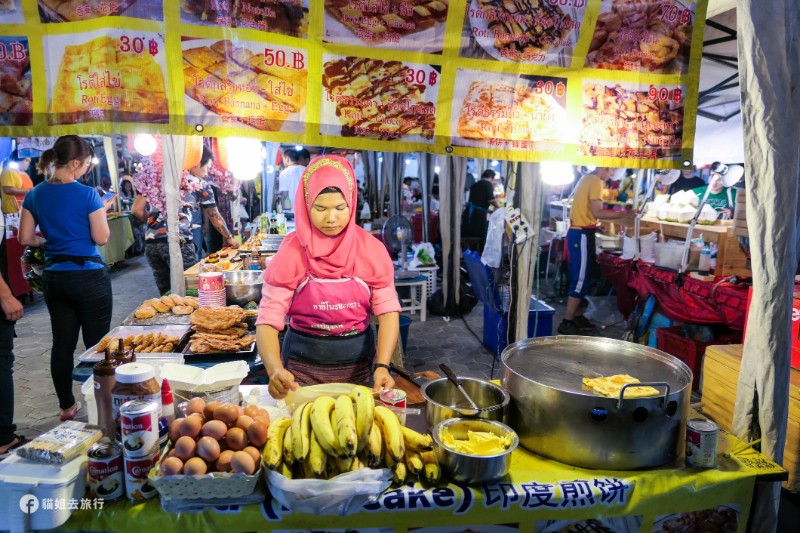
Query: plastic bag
{"x": 343, "y": 495}
{"x": 423, "y": 255}
{"x": 312, "y": 392}
{"x": 603, "y": 310}
{"x": 493, "y": 249}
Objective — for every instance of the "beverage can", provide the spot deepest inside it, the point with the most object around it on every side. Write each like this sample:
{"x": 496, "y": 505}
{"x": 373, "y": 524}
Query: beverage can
{"x": 139, "y": 427}
{"x": 106, "y": 470}
{"x": 394, "y": 399}
{"x": 701, "y": 443}
{"x": 137, "y": 486}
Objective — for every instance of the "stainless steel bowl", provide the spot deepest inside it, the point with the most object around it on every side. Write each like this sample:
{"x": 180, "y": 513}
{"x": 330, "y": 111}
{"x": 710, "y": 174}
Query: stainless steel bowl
{"x": 473, "y": 468}
{"x": 444, "y": 401}
{"x": 243, "y": 286}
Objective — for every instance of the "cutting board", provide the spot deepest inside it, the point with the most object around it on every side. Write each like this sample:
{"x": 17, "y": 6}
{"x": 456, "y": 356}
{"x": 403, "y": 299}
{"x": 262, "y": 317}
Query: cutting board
{"x": 413, "y": 394}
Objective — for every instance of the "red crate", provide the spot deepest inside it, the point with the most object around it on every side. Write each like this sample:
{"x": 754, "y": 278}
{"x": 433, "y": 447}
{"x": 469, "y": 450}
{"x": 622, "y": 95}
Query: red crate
{"x": 672, "y": 341}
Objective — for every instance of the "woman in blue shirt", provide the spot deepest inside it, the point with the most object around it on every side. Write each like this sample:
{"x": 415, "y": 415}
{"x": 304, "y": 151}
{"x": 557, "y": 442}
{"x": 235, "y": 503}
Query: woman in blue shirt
{"x": 77, "y": 287}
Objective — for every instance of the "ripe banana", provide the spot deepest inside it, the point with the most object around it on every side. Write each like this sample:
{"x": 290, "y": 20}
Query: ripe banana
{"x": 286, "y": 470}
{"x": 365, "y": 413}
{"x": 317, "y": 457}
{"x": 344, "y": 464}
{"x": 288, "y": 452}
{"x": 416, "y": 441}
{"x": 388, "y": 460}
{"x": 273, "y": 451}
{"x": 431, "y": 470}
{"x": 301, "y": 428}
{"x": 392, "y": 434}
{"x": 345, "y": 425}
{"x": 357, "y": 464}
{"x": 374, "y": 447}
{"x": 307, "y": 471}
{"x": 321, "y": 424}
{"x": 400, "y": 472}
{"x": 414, "y": 461}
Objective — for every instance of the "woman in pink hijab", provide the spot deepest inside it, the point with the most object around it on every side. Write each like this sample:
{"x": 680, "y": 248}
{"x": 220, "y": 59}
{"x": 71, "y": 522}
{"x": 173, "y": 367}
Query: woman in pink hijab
{"x": 328, "y": 277}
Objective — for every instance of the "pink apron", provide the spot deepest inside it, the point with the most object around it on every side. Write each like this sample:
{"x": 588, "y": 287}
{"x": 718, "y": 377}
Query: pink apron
{"x": 331, "y": 306}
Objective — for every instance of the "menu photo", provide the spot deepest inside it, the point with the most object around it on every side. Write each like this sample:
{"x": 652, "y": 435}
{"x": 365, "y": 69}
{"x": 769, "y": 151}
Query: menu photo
{"x": 11, "y": 12}
{"x": 78, "y": 10}
{"x": 509, "y": 111}
{"x": 720, "y": 518}
{"x": 539, "y": 32}
{"x": 652, "y": 36}
{"x": 16, "y": 89}
{"x": 633, "y": 121}
{"x": 249, "y": 85}
{"x": 621, "y": 524}
{"x": 109, "y": 75}
{"x": 415, "y": 25}
{"x": 379, "y": 99}
{"x": 285, "y": 17}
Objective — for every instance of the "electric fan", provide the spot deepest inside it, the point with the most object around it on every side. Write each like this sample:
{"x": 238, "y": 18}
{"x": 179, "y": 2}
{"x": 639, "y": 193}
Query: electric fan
{"x": 397, "y": 237}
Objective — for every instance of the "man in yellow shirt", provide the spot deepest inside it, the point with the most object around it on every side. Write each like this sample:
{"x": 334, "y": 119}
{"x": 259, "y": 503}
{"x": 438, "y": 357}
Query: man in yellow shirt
{"x": 587, "y": 208}
{"x": 15, "y": 184}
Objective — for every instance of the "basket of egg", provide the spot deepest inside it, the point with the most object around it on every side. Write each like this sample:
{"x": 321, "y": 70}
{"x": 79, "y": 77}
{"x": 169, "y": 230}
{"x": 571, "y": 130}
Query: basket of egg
{"x": 214, "y": 452}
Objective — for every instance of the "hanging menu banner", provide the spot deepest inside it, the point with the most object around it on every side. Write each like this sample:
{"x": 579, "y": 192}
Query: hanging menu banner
{"x": 602, "y": 82}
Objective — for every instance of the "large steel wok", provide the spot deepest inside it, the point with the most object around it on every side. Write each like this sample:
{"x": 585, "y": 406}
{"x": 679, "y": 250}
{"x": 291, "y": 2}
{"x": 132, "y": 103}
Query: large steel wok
{"x": 556, "y": 416}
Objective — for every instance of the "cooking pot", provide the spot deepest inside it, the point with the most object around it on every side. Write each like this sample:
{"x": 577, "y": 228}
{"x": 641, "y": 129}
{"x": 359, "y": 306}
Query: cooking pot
{"x": 556, "y": 416}
{"x": 443, "y": 400}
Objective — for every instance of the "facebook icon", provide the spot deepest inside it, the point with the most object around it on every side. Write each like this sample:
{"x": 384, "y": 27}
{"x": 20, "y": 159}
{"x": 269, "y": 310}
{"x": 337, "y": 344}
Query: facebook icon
{"x": 29, "y": 504}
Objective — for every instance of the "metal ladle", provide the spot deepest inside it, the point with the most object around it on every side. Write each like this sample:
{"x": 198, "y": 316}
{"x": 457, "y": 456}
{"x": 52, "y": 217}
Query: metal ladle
{"x": 457, "y": 382}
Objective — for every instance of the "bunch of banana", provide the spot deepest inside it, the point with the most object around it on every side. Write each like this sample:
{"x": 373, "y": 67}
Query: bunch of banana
{"x": 330, "y": 435}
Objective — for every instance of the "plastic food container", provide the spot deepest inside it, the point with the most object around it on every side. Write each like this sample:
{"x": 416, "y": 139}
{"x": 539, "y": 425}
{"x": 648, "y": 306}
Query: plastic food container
{"x": 20, "y": 478}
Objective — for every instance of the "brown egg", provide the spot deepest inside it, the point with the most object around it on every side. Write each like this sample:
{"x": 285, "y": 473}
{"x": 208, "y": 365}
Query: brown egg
{"x": 257, "y": 433}
{"x": 175, "y": 430}
{"x": 195, "y": 405}
{"x": 242, "y": 463}
{"x": 252, "y": 410}
{"x": 208, "y": 449}
{"x": 254, "y": 453}
{"x": 236, "y": 439}
{"x": 244, "y": 422}
{"x": 171, "y": 466}
{"x": 215, "y": 429}
{"x": 224, "y": 462}
{"x": 171, "y": 453}
{"x": 191, "y": 426}
{"x": 185, "y": 448}
{"x": 195, "y": 467}
{"x": 228, "y": 413}
{"x": 263, "y": 419}
{"x": 208, "y": 412}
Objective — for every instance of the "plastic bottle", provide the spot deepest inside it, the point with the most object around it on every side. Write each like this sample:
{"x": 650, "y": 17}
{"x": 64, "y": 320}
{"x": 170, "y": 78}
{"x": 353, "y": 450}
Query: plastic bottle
{"x": 705, "y": 260}
{"x": 713, "y": 263}
{"x": 104, "y": 381}
{"x": 255, "y": 261}
{"x": 167, "y": 402}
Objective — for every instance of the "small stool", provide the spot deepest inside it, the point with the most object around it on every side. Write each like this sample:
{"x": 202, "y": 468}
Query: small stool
{"x": 418, "y": 295}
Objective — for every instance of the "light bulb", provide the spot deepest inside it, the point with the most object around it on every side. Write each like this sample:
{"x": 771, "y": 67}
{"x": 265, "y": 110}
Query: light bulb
{"x": 145, "y": 144}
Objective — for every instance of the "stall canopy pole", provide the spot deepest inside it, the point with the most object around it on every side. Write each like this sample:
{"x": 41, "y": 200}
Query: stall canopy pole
{"x": 174, "y": 149}
{"x": 769, "y": 78}
{"x": 268, "y": 178}
{"x": 427, "y": 165}
{"x": 110, "y": 147}
{"x": 392, "y": 177}
{"x": 451, "y": 192}
{"x": 370, "y": 161}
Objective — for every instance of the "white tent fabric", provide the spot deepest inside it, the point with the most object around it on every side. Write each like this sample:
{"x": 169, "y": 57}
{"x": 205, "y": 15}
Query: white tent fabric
{"x": 427, "y": 165}
{"x": 392, "y": 178}
{"x": 769, "y": 74}
{"x": 718, "y": 141}
{"x": 174, "y": 148}
{"x": 451, "y": 182}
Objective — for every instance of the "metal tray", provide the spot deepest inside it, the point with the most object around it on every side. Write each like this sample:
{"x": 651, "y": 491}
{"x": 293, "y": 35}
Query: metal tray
{"x": 160, "y": 319}
{"x": 174, "y": 330}
{"x": 241, "y": 354}
{"x": 562, "y": 362}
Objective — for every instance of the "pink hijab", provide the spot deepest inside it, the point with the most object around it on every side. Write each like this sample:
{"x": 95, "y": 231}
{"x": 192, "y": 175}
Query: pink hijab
{"x": 309, "y": 251}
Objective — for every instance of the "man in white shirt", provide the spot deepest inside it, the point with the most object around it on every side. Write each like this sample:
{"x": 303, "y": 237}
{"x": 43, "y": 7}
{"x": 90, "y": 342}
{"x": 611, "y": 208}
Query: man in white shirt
{"x": 289, "y": 178}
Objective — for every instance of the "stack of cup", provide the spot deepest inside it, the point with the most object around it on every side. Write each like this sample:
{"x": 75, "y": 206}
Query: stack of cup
{"x": 211, "y": 289}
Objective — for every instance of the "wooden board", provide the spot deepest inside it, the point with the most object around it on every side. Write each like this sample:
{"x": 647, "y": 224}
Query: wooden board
{"x": 721, "y": 367}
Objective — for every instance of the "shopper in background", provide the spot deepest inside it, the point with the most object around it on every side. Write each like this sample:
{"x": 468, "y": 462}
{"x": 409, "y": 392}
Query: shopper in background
{"x": 289, "y": 178}
{"x": 475, "y": 217}
{"x": 77, "y": 287}
{"x": 689, "y": 180}
{"x": 587, "y": 208}
{"x": 15, "y": 184}
{"x": 719, "y": 197}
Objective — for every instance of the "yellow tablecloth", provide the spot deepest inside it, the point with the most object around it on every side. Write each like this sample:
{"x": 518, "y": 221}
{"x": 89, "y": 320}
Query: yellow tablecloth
{"x": 538, "y": 495}
{"x": 121, "y": 239}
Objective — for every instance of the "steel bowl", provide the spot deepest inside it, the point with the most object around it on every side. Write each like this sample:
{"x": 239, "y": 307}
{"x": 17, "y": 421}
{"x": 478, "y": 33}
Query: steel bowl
{"x": 243, "y": 286}
{"x": 444, "y": 401}
{"x": 470, "y": 469}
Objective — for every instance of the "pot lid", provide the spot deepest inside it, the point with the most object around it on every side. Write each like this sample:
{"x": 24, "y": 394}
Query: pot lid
{"x": 562, "y": 362}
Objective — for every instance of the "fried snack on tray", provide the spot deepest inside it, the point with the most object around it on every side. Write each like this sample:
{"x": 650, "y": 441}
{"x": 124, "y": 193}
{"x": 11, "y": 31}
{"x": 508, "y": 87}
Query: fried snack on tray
{"x": 144, "y": 342}
{"x": 182, "y": 310}
{"x": 145, "y": 311}
{"x": 203, "y": 344}
{"x": 216, "y": 318}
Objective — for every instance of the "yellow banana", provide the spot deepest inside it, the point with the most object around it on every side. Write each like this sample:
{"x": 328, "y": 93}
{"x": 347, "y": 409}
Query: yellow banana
{"x": 316, "y": 456}
{"x": 331, "y": 470}
{"x": 388, "y": 460}
{"x": 365, "y": 413}
{"x": 357, "y": 464}
{"x": 273, "y": 451}
{"x": 414, "y": 461}
{"x": 392, "y": 435}
{"x": 416, "y": 441}
{"x": 431, "y": 467}
{"x": 286, "y": 470}
{"x": 288, "y": 451}
{"x": 400, "y": 472}
{"x": 308, "y": 472}
{"x": 374, "y": 447}
{"x": 345, "y": 425}
{"x": 343, "y": 464}
{"x": 321, "y": 411}
{"x": 301, "y": 428}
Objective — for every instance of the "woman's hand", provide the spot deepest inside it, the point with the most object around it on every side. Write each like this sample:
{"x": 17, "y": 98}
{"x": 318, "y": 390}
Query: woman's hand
{"x": 281, "y": 381}
{"x": 382, "y": 379}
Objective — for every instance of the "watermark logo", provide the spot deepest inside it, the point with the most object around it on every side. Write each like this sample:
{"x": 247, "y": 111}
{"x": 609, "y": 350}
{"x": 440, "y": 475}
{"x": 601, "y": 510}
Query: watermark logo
{"x": 29, "y": 504}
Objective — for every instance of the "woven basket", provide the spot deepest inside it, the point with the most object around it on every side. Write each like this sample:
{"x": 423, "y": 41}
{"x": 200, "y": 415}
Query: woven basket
{"x": 208, "y": 486}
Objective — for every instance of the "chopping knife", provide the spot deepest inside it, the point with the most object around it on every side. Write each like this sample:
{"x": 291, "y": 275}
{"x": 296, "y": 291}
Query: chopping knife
{"x": 400, "y": 371}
